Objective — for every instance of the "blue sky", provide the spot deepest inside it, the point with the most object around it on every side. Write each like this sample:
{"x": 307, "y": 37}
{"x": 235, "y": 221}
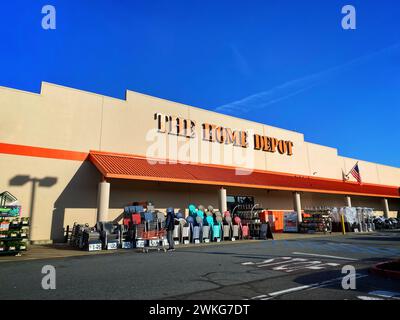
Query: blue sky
{"x": 284, "y": 63}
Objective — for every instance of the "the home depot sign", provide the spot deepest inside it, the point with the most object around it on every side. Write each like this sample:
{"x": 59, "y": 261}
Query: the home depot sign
{"x": 213, "y": 133}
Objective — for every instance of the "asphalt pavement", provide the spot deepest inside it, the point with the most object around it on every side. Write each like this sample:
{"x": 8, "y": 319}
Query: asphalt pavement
{"x": 264, "y": 270}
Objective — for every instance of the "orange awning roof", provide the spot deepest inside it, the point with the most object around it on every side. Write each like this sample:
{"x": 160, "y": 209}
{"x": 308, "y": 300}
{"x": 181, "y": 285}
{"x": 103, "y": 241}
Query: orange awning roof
{"x": 124, "y": 166}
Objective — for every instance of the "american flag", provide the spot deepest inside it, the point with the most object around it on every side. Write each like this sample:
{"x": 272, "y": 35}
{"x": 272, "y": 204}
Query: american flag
{"x": 356, "y": 173}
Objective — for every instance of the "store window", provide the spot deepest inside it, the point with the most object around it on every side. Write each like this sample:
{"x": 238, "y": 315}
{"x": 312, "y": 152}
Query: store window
{"x": 240, "y": 201}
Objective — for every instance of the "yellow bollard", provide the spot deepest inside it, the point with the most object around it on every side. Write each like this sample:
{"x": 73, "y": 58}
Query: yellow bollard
{"x": 342, "y": 220}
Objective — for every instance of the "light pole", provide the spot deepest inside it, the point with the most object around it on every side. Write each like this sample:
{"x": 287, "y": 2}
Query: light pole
{"x": 21, "y": 180}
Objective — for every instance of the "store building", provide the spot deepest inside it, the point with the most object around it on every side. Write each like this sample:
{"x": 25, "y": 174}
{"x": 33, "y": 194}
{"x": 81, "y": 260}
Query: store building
{"x": 73, "y": 156}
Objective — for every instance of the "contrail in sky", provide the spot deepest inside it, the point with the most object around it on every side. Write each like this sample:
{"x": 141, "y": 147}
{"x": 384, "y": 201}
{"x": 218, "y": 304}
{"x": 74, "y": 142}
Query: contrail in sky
{"x": 294, "y": 87}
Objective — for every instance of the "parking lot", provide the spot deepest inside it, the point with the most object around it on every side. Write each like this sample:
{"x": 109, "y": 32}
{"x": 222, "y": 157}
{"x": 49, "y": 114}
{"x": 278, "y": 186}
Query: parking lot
{"x": 309, "y": 268}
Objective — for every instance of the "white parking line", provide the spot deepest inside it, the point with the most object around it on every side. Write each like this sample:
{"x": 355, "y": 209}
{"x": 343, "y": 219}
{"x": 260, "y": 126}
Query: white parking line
{"x": 259, "y": 297}
{"x": 368, "y": 298}
{"x": 277, "y": 293}
{"x": 305, "y": 287}
{"x": 386, "y": 294}
{"x": 323, "y": 255}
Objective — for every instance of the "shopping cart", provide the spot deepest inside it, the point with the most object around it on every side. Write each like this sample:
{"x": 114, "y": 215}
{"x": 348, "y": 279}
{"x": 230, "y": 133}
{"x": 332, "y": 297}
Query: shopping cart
{"x": 155, "y": 240}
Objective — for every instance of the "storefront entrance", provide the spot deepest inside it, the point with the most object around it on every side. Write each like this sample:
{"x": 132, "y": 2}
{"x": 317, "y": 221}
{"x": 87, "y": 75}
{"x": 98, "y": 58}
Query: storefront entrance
{"x": 239, "y": 201}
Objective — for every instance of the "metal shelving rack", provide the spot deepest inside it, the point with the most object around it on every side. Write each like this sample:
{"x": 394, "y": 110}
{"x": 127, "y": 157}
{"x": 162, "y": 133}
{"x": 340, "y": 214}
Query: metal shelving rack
{"x": 14, "y": 229}
{"x": 316, "y": 220}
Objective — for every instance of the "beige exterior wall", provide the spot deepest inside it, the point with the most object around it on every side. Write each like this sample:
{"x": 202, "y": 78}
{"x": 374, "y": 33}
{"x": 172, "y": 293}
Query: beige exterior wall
{"x": 64, "y": 118}
{"x": 387, "y": 175}
{"x": 58, "y": 118}
{"x": 72, "y": 193}
{"x": 323, "y": 161}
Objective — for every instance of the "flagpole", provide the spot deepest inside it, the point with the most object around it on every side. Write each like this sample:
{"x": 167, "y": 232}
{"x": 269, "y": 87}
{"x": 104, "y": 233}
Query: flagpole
{"x": 345, "y": 177}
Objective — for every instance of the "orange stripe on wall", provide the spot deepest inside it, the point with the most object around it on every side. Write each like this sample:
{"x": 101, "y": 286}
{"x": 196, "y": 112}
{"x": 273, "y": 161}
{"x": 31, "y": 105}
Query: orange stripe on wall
{"x": 30, "y": 151}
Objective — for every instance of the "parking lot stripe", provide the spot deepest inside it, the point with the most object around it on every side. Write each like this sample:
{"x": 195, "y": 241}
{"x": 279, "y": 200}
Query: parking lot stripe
{"x": 259, "y": 297}
{"x": 368, "y": 298}
{"x": 323, "y": 255}
{"x": 385, "y": 294}
{"x": 306, "y": 287}
{"x": 277, "y": 293}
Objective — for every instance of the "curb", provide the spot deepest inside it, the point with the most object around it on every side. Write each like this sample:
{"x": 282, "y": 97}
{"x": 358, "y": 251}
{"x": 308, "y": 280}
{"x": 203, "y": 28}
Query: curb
{"x": 79, "y": 253}
{"x": 379, "y": 269}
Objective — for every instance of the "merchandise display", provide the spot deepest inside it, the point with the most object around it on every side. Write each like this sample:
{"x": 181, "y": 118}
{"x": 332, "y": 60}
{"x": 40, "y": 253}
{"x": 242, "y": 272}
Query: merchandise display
{"x": 143, "y": 227}
{"x": 85, "y": 238}
{"x": 328, "y": 219}
{"x": 216, "y": 232}
{"x": 14, "y": 230}
{"x": 206, "y": 234}
{"x": 263, "y": 231}
{"x": 235, "y": 232}
{"x": 200, "y": 214}
{"x": 177, "y": 233}
{"x": 192, "y": 209}
{"x": 209, "y": 221}
{"x": 227, "y": 231}
{"x": 199, "y": 220}
{"x": 190, "y": 220}
{"x": 219, "y": 226}
{"x": 196, "y": 234}
{"x": 245, "y": 232}
{"x": 357, "y": 219}
{"x": 251, "y": 219}
{"x": 379, "y": 223}
{"x": 317, "y": 220}
{"x": 185, "y": 234}
{"x": 366, "y": 218}
{"x": 110, "y": 234}
{"x": 237, "y": 220}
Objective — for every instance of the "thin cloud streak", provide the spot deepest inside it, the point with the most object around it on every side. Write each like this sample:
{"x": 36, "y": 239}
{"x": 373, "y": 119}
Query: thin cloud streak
{"x": 294, "y": 87}
{"x": 240, "y": 61}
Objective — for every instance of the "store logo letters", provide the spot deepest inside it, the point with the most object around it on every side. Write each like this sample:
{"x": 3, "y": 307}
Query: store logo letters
{"x": 213, "y": 133}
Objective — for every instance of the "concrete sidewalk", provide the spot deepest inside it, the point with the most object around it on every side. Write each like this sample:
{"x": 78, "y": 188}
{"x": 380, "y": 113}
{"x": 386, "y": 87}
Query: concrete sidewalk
{"x": 60, "y": 251}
